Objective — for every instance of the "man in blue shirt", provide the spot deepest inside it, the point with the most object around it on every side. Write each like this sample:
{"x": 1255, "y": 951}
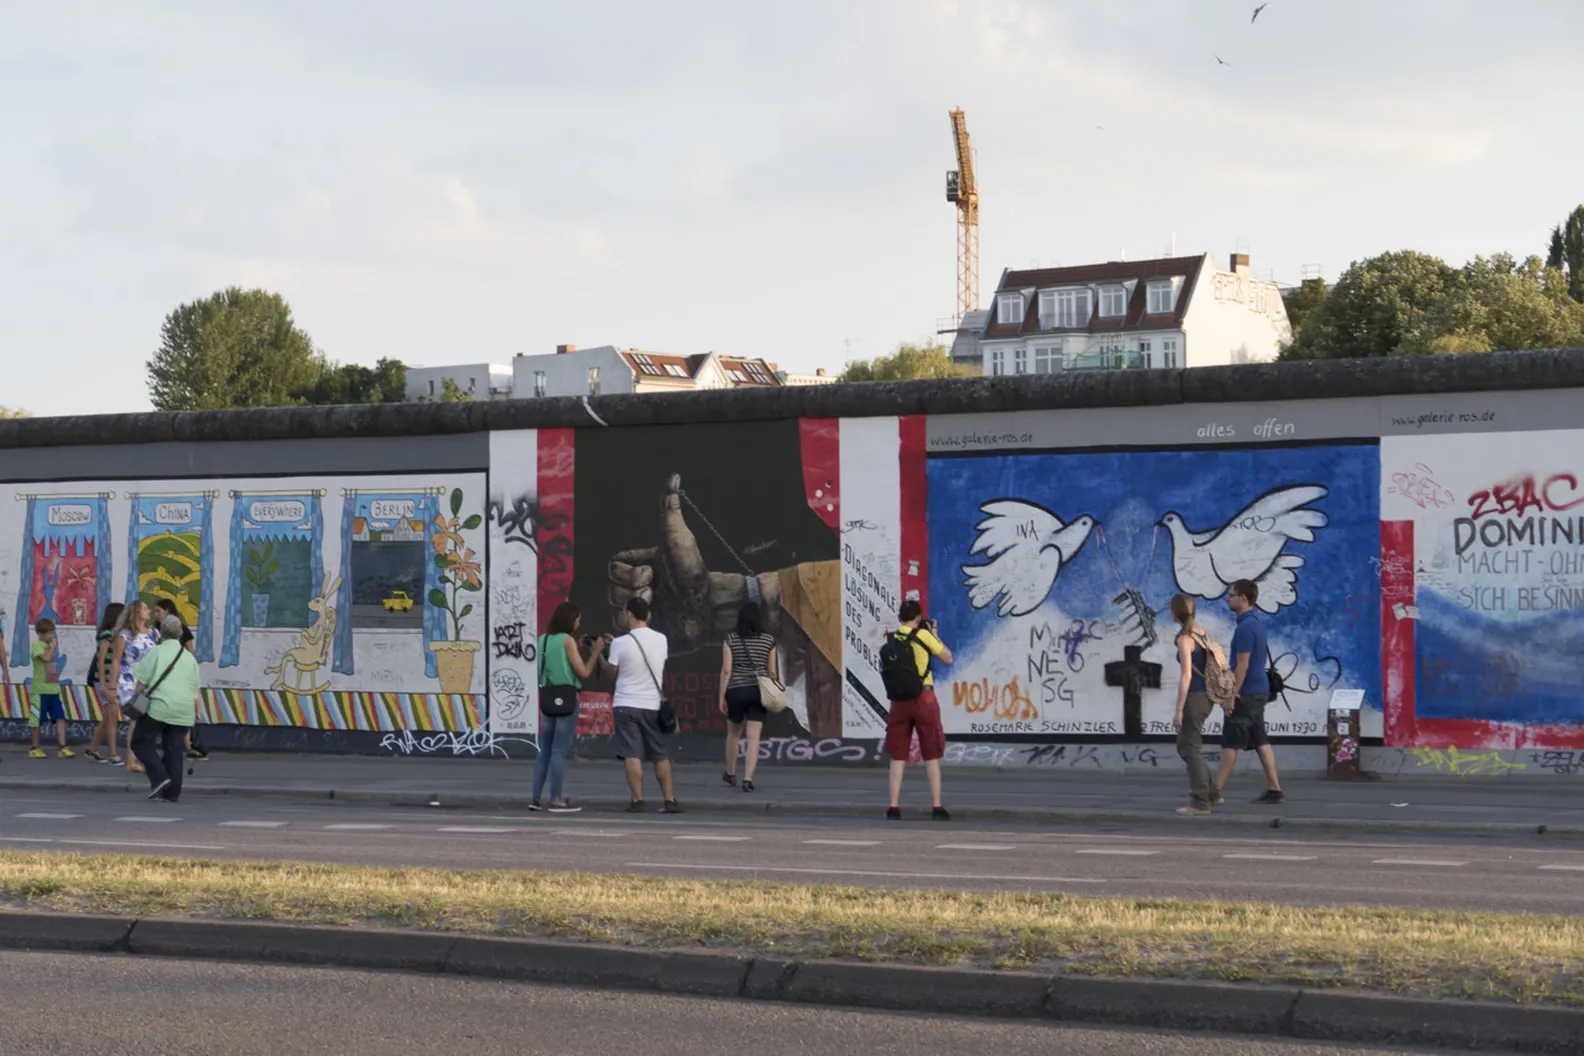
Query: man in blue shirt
{"x": 1244, "y": 728}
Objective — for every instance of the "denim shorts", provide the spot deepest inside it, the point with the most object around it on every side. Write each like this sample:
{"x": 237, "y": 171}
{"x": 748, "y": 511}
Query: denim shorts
{"x": 47, "y": 708}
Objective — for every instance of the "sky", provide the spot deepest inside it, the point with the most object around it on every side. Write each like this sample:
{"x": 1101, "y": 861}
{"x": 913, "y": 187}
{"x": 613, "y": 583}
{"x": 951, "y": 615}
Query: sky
{"x": 462, "y": 182}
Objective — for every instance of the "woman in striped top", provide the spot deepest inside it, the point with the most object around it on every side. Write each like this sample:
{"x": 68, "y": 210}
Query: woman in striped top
{"x": 745, "y": 655}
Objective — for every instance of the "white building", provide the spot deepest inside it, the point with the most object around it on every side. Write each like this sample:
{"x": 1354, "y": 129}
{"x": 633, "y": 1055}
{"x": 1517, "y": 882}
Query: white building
{"x": 481, "y": 381}
{"x": 1174, "y": 312}
{"x": 573, "y": 371}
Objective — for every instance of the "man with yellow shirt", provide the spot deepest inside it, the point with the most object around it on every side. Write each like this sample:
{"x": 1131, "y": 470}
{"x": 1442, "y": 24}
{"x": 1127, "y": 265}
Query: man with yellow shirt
{"x": 905, "y": 668}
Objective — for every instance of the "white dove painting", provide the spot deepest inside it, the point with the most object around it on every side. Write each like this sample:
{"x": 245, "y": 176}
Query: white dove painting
{"x": 1027, "y": 546}
{"x": 1252, "y": 545}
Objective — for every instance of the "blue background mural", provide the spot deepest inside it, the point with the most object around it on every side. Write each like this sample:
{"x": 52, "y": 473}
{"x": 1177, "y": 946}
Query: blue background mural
{"x": 271, "y": 522}
{"x": 1336, "y": 613}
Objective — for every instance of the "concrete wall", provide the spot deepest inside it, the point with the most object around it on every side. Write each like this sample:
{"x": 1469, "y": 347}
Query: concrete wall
{"x": 1417, "y": 527}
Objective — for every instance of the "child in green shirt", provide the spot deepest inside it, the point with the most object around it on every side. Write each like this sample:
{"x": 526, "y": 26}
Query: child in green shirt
{"x": 45, "y": 689}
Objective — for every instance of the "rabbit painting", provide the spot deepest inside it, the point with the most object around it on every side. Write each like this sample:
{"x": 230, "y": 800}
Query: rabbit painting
{"x": 312, "y": 651}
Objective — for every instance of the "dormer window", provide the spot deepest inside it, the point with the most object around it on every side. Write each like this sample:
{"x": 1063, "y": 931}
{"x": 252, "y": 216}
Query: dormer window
{"x": 1009, "y": 309}
{"x": 1161, "y": 298}
{"x": 1113, "y": 302}
{"x": 1064, "y": 309}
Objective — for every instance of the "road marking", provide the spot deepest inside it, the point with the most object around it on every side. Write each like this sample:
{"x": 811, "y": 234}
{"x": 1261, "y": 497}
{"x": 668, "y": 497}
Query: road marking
{"x": 1565, "y": 868}
{"x": 1117, "y": 852}
{"x": 135, "y": 819}
{"x": 1418, "y": 861}
{"x": 843, "y": 843}
{"x": 251, "y": 824}
{"x": 50, "y": 817}
{"x": 588, "y": 832}
{"x": 481, "y": 830}
{"x": 25, "y": 839}
{"x": 357, "y": 827}
{"x": 1271, "y": 857}
{"x": 864, "y": 872}
{"x": 976, "y": 846}
{"x": 713, "y": 839}
{"x": 142, "y": 845}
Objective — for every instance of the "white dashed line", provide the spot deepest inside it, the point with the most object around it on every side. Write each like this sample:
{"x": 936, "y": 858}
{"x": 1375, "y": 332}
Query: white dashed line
{"x": 251, "y": 824}
{"x": 864, "y": 872}
{"x": 477, "y": 830}
{"x": 1439, "y": 862}
{"x": 357, "y": 827}
{"x": 1271, "y": 857}
{"x": 588, "y": 832}
{"x": 1117, "y": 852}
{"x": 143, "y": 845}
{"x": 25, "y": 839}
{"x": 50, "y": 817}
{"x": 842, "y": 843}
{"x": 1565, "y": 868}
{"x": 163, "y": 819}
{"x": 713, "y": 839}
{"x": 976, "y": 846}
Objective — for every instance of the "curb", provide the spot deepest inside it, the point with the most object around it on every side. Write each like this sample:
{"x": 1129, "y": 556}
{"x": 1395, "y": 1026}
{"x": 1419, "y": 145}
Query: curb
{"x": 1291, "y": 1012}
{"x": 763, "y": 808}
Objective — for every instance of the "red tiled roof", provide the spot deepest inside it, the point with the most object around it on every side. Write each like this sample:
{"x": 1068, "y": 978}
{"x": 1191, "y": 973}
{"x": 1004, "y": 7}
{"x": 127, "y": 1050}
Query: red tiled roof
{"x": 655, "y": 366}
{"x": 1138, "y": 271}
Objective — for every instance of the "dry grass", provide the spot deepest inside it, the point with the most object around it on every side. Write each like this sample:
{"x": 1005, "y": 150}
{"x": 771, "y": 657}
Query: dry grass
{"x": 1478, "y": 955}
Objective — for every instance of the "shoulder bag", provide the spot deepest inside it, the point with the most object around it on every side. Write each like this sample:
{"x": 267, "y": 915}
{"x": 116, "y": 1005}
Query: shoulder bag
{"x": 667, "y": 715}
{"x": 555, "y": 701}
{"x": 772, "y": 694}
{"x": 143, "y": 699}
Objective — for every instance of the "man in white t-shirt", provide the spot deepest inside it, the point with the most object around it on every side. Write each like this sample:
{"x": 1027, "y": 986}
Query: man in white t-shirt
{"x": 639, "y": 657}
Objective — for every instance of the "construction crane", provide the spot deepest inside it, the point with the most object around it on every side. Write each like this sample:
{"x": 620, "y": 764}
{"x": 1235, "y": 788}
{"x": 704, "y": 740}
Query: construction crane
{"x": 963, "y": 192}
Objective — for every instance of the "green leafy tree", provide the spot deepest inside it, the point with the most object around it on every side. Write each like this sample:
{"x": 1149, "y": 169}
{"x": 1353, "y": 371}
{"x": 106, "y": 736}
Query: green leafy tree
{"x": 1374, "y": 305}
{"x": 236, "y": 348}
{"x": 385, "y": 382}
{"x": 1498, "y": 303}
{"x": 907, "y": 363}
{"x": 451, "y": 392}
{"x": 14, "y": 412}
{"x": 1567, "y": 252}
{"x": 1303, "y": 301}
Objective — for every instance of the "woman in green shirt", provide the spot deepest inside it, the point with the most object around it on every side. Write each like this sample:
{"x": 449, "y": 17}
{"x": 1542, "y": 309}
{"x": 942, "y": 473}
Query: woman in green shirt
{"x": 562, "y": 669}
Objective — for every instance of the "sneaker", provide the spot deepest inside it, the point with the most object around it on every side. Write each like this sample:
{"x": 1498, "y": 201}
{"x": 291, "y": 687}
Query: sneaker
{"x": 730, "y": 779}
{"x": 197, "y": 753}
{"x": 66, "y": 753}
{"x": 37, "y": 753}
{"x": 940, "y": 814}
{"x": 1194, "y": 810}
{"x": 534, "y": 806}
{"x": 158, "y": 791}
{"x": 671, "y": 807}
{"x": 564, "y": 808}
{"x": 1272, "y": 795}
{"x": 748, "y": 786}
{"x": 95, "y": 756}
{"x": 1217, "y": 799}
{"x": 635, "y": 807}
{"x": 116, "y": 760}
{"x": 894, "y": 813}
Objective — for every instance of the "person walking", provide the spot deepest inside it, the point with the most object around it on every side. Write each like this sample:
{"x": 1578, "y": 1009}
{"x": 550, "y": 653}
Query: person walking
{"x": 167, "y": 607}
{"x": 133, "y": 639}
{"x": 46, "y": 690}
{"x": 746, "y": 654}
{"x": 639, "y": 659}
{"x": 905, "y": 661}
{"x": 562, "y": 669}
{"x": 1244, "y": 729}
{"x": 169, "y": 673}
{"x": 102, "y": 680}
{"x": 1200, "y": 662}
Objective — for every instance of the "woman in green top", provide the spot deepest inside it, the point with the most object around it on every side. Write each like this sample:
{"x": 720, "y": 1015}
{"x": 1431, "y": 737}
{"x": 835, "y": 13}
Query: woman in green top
{"x": 562, "y": 666}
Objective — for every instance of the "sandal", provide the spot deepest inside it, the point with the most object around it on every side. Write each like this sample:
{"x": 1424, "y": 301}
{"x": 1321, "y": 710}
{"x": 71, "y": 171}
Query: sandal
{"x": 135, "y": 768}
{"x": 730, "y": 779}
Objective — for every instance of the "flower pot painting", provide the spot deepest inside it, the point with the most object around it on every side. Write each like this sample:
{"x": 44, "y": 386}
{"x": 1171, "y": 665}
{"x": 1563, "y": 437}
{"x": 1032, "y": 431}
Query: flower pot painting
{"x": 461, "y": 573}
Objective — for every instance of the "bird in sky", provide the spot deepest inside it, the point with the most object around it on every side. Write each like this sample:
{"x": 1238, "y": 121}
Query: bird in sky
{"x": 1222, "y": 61}
{"x": 1249, "y": 546}
{"x": 1027, "y": 546}
{"x": 1257, "y": 11}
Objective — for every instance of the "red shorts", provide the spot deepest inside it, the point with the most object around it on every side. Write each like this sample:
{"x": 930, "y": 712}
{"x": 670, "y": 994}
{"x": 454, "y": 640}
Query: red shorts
{"x": 921, "y": 716}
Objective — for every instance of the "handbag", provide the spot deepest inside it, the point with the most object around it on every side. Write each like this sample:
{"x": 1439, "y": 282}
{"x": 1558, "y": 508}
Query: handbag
{"x": 666, "y": 718}
{"x": 143, "y": 699}
{"x": 772, "y": 694}
{"x": 555, "y": 701}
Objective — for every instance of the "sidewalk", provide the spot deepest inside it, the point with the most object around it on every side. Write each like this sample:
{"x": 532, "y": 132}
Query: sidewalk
{"x": 1435, "y": 805}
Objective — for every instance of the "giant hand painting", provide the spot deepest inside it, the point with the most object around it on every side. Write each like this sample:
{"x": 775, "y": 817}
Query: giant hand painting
{"x": 1051, "y": 574}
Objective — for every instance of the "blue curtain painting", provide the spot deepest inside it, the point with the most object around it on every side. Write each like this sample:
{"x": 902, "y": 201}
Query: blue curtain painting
{"x": 171, "y": 535}
{"x": 268, "y": 519}
{"x": 57, "y": 537}
{"x": 388, "y": 570}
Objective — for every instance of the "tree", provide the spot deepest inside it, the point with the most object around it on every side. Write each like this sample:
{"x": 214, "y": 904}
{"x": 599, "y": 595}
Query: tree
{"x": 385, "y": 382}
{"x": 1567, "y": 251}
{"x": 1373, "y": 306}
{"x": 906, "y": 363}
{"x": 14, "y": 412}
{"x": 1302, "y": 302}
{"x": 451, "y": 392}
{"x": 1498, "y": 303}
{"x": 236, "y": 348}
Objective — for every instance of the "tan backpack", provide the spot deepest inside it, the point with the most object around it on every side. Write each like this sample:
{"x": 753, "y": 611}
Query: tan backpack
{"x": 1219, "y": 679}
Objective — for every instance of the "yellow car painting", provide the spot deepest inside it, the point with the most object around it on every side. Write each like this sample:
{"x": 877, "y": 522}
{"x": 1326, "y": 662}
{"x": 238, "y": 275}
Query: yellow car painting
{"x": 398, "y": 602}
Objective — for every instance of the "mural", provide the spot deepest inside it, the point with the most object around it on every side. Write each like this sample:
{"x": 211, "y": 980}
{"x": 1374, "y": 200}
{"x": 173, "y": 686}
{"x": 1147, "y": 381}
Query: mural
{"x": 1051, "y": 575}
{"x": 1482, "y": 581}
{"x": 514, "y": 625}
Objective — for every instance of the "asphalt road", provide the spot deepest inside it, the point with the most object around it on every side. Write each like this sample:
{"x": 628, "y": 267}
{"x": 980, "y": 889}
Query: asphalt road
{"x": 80, "y": 1005}
{"x": 1529, "y": 875}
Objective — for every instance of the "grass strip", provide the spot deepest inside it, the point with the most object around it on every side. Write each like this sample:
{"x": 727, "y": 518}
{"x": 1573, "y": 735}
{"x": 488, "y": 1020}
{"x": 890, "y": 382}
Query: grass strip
{"x": 1488, "y": 956}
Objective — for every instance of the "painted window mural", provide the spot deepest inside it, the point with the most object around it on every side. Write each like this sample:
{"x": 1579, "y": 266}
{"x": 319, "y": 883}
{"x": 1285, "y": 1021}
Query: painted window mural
{"x": 65, "y": 564}
{"x": 170, "y": 554}
{"x": 1054, "y": 572}
{"x": 277, "y": 563}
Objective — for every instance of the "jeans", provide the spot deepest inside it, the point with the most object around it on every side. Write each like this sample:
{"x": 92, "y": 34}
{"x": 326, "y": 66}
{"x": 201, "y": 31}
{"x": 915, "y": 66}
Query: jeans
{"x": 160, "y": 748}
{"x": 555, "y": 737}
{"x": 1190, "y": 745}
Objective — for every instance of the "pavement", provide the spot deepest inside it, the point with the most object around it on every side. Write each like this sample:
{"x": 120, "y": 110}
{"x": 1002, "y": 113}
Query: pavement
{"x": 1397, "y": 805}
{"x": 119, "y": 1004}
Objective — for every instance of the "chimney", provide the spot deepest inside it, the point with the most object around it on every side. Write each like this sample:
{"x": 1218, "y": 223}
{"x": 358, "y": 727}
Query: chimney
{"x": 562, "y": 350}
{"x": 1240, "y": 263}
{"x": 819, "y": 372}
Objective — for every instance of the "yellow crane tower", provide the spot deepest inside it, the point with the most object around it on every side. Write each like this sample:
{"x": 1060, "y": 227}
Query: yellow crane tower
{"x": 963, "y": 192}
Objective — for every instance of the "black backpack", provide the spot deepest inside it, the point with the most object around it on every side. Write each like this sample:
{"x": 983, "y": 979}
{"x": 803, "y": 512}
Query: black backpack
{"x": 899, "y": 667}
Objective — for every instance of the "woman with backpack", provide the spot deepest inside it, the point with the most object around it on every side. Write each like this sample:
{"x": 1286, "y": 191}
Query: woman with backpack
{"x": 747, "y": 655}
{"x": 102, "y": 679}
{"x": 1203, "y": 682}
{"x": 562, "y": 669}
